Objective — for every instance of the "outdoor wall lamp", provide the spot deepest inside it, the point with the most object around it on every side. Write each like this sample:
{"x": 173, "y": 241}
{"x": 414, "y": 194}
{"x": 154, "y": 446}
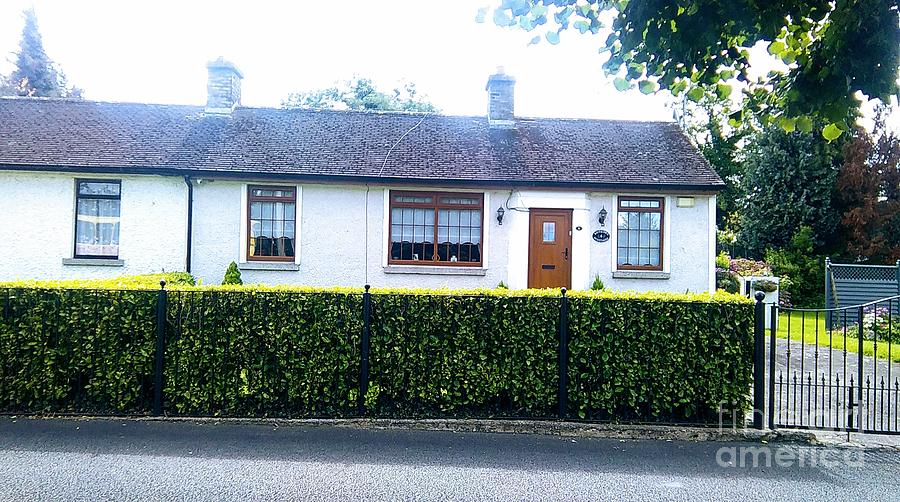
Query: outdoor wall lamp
{"x": 602, "y": 218}
{"x": 500, "y": 212}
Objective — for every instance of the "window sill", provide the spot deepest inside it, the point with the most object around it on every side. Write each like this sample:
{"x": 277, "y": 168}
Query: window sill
{"x": 433, "y": 270}
{"x": 639, "y": 274}
{"x": 93, "y": 262}
{"x": 269, "y": 265}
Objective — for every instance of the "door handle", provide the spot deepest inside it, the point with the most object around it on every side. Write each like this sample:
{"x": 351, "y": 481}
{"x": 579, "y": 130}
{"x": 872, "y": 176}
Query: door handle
{"x": 567, "y": 254}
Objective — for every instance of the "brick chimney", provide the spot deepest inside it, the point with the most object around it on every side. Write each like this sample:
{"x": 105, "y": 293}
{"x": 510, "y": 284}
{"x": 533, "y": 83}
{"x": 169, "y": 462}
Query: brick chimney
{"x": 501, "y": 106}
{"x": 223, "y": 89}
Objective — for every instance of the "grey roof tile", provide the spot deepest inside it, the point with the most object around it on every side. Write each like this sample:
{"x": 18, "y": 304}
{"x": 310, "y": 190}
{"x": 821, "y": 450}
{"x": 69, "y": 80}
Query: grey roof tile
{"x": 64, "y": 134}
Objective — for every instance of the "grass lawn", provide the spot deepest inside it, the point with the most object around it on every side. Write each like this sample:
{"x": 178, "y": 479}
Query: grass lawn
{"x": 836, "y": 340}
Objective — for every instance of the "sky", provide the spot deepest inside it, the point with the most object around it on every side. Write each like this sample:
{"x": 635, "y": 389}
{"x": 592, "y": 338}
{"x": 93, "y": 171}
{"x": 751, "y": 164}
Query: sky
{"x": 156, "y": 52}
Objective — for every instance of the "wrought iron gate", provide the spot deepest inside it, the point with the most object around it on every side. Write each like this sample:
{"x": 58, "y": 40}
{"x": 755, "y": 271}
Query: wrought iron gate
{"x": 835, "y": 369}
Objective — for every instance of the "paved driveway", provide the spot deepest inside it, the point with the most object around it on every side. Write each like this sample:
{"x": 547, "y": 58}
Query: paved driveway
{"x": 812, "y": 387}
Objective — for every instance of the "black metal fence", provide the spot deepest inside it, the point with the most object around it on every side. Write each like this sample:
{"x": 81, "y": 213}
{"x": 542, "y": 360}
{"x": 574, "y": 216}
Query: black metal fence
{"x": 836, "y": 369}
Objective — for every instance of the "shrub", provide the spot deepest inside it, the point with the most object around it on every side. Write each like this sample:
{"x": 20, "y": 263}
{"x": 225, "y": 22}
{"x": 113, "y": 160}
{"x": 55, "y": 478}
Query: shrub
{"x": 765, "y": 286}
{"x": 501, "y": 285}
{"x": 281, "y": 351}
{"x": 723, "y": 260}
{"x": 232, "y": 275}
{"x": 597, "y": 284}
{"x": 146, "y": 281}
{"x": 727, "y": 281}
{"x": 801, "y": 270}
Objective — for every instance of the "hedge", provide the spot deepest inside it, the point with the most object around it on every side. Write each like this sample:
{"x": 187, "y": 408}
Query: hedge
{"x": 295, "y": 352}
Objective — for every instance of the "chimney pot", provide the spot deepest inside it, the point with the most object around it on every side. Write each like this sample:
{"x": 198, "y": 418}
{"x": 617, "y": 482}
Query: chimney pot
{"x": 501, "y": 102}
{"x": 223, "y": 88}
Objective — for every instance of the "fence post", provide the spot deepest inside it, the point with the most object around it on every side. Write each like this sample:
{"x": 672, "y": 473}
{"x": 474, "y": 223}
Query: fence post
{"x": 759, "y": 361}
{"x": 364, "y": 352}
{"x": 859, "y": 371}
{"x": 828, "y": 297}
{"x": 162, "y": 301}
{"x": 773, "y": 328}
{"x": 563, "y": 354}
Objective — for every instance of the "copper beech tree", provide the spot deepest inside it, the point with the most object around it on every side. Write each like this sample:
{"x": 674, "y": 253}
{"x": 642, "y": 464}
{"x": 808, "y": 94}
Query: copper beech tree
{"x": 868, "y": 195}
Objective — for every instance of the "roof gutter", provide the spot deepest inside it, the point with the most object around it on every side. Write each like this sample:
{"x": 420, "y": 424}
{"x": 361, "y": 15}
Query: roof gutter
{"x": 378, "y": 180}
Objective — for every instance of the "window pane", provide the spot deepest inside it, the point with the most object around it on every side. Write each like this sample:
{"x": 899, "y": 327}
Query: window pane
{"x": 633, "y": 256}
{"x": 464, "y": 218}
{"x": 645, "y": 256}
{"x": 429, "y": 217}
{"x": 645, "y": 220}
{"x": 634, "y": 220}
{"x": 454, "y": 235}
{"x": 256, "y": 210}
{"x": 419, "y": 216}
{"x": 408, "y": 215}
{"x": 268, "y": 210}
{"x": 549, "y": 231}
{"x": 289, "y": 229}
{"x": 98, "y": 188}
{"x": 289, "y": 211}
{"x": 443, "y": 234}
{"x": 654, "y": 257}
{"x": 454, "y": 217}
{"x": 622, "y": 255}
{"x": 654, "y": 239}
{"x": 654, "y": 221}
{"x": 443, "y": 216}
{"x": 396, "y": 233}
{"x": 97, "y": 227}
{"x": 623, "y": 220}
{"x": 476, "y": 218}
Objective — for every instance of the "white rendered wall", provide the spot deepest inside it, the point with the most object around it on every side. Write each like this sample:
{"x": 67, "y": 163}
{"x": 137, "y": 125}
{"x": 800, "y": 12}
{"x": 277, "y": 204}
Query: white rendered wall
{"x": 37, "y": 215}
{"x": 689, "y": 246}
{"x": 332, "y": 240}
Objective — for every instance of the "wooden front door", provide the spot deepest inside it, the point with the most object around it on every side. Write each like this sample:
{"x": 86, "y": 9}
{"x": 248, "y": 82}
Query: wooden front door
{"x": 550, "y": 248}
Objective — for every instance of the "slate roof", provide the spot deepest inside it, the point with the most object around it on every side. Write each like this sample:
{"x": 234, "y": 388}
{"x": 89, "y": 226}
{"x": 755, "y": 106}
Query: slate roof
{"x": 64, "y": 135}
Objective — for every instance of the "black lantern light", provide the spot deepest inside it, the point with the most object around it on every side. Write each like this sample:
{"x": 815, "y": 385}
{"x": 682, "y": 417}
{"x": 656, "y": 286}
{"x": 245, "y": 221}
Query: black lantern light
{"x": 602, "y": 218}
{"x": 500, "y": 212}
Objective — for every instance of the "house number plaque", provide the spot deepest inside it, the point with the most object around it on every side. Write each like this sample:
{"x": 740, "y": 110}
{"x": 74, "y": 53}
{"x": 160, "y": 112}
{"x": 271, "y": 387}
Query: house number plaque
{"x": 601, "y": 236}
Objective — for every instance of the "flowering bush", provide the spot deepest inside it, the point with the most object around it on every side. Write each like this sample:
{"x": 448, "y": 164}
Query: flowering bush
{"x": 746, "y": 267}
{"x": 880, "y": 323}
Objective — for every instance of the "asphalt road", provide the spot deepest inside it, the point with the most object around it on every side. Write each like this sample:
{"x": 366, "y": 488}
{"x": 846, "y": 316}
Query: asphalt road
{"x": 132, "y": 460}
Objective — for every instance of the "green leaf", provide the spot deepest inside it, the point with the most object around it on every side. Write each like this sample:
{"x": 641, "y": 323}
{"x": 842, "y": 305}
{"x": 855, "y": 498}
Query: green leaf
{"x": 723, "y": 91}
{"x": 695, "y": 94}
{"x": 647, "y": 86}
{"x": 621, "y": 84}
{"x": 805, "y": 124}
{"x": 832, "y": 132}
{"x": 776, "y": 47}
{"x": 787, "y": 124}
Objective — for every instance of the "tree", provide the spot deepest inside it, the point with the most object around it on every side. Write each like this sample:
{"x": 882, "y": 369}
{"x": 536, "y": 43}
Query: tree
{"x": 789, "y": 182}
{"x": 706, "y": 123}
{"x": 361, "y": 94}
{"x": 801, "y": 270}
{"x": 868, "y": 188}
{"x": 232, "y": 275}
{"x": 832, "y": 50}
{"x": 35, "y": 74}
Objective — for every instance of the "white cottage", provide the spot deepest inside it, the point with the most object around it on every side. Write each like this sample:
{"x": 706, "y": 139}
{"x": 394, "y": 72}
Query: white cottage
{"x": 326, "y": 198}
